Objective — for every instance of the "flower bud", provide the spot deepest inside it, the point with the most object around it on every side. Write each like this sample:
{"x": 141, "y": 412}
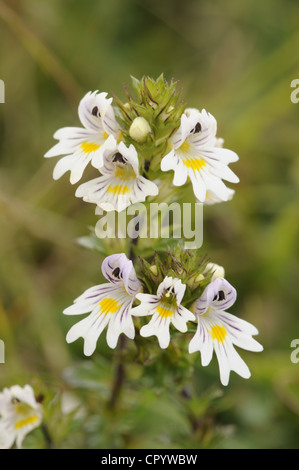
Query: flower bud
{"x": 218, "y": 271}
{"x": 139, "y": 129}
{"x": 165, "y": 114}
{"x": 199, "y": 278}
{"x": 189, "y": 111}
{"x": 154, "y": 270}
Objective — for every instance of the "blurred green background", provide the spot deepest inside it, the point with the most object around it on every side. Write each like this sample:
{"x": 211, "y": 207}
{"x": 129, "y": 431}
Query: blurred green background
{"x": 235, "y": 59}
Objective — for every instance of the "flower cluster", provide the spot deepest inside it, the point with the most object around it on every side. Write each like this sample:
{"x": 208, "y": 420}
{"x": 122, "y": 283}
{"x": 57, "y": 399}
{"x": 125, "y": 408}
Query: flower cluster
{"x": 111, "y": 305}
{"x": 132, "y": 145}
{"x": 20, "y": 413}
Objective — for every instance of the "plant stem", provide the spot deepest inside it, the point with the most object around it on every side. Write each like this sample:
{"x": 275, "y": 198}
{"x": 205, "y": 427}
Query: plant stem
{"x": 47, "y": 437}
{"x": 119, "y": 375}
{"x": 132, "y": 255}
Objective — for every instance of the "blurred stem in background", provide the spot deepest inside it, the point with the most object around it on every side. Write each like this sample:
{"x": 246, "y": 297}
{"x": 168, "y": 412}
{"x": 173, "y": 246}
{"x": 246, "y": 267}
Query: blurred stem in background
{"x": 120, "y": 375}
{"x": 42, "y": 54}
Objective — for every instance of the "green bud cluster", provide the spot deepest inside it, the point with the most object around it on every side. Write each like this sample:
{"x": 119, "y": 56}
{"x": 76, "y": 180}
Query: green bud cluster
{"x": 190, "y": 266}
{"x": 158, "y": 105}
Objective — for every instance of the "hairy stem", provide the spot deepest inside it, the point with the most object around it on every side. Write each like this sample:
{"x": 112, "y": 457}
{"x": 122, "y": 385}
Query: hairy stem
{"x": 119, "y": 375}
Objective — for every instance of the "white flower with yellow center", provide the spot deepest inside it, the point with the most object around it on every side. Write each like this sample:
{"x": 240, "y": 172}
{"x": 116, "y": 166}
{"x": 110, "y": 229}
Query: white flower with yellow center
{"x": 121, "y": 183}
{"x": 108, "y": 303}
{"x": 165, "y": 308}
{"x": 219, "y": 330}
{"x": 198, "y": 154}
{"x": 83, "y": 144}
{"x": 20, "y": 413}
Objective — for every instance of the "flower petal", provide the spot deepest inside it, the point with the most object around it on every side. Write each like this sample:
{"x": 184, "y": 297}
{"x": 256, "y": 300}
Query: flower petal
{"x": 202, "y": 341}
{"x": 7, "y": 435}
{"x": 118, "y": 269}
{"x": 159, "y": 329}
{"x": 91, "y": 109}
{"x": 89, "y": 329}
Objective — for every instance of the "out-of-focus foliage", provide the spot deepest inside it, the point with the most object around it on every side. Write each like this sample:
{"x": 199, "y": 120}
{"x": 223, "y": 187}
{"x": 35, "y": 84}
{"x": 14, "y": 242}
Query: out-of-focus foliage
{"x": 237, "y": 60}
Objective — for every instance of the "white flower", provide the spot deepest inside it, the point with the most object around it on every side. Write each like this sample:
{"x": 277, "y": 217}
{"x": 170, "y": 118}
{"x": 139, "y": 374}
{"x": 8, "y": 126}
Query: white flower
{"x": 83, "y": 144}
{"x": 197, "y": 154}
{"x": 166, "y": 308}
{"x": 19, "y": 414}
{"x": 109, "y": 304}
{"x": 139, "y": 129}
{"x": 219, "y": 330}
{"x": 217, "y": 271}
{"x": 121, "y": 184}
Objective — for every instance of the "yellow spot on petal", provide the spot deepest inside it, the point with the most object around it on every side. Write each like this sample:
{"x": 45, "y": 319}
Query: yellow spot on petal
{"x": 195, "y": 164}
{"x": 218, "y": 333}
{"x": 165, "y": 312}
{"x": 88, "y": 147}
{"x": 119, "y": 137}
{"x": 184, "y": 147}
{"x": 109, "y": 306}
{"x": 118, "y": 189}
{"x": 22, "y": 408}
{"x": 125, "y": 174}
{"x": 24, "y": 422}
